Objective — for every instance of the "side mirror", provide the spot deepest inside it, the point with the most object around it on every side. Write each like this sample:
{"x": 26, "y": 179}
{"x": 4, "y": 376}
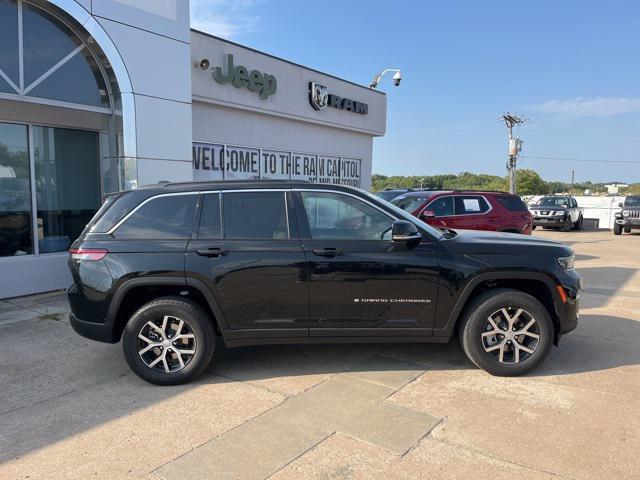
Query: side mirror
{"x": 404, "y": 232}
{"x": 621, "y": 204}
{"x": 426, "y": 214}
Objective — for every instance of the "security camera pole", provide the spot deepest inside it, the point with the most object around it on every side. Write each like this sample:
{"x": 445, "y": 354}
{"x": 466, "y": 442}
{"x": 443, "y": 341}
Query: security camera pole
{"x": 515, "y": 146}
{"x": 397, "y": 77}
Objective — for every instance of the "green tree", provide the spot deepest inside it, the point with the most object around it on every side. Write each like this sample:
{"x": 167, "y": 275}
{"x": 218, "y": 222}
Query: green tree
{"x": 529, "y": 182}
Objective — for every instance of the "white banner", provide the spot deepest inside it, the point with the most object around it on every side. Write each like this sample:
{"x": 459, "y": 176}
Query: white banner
{"x": 230, "y": 162}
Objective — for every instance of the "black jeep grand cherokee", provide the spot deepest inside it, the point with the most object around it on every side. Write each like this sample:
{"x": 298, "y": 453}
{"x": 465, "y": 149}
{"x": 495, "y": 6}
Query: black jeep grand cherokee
{"x": 169, "y": 267}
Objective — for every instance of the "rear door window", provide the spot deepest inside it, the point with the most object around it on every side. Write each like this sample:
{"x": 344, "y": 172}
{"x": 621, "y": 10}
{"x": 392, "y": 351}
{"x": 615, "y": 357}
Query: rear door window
{"x": 512, "y": 203}
{"x": 255, "y": 215}
{"x": 210, "y": 218}
{"x": 162, "y": 218}
{"x": 470, "y": 205}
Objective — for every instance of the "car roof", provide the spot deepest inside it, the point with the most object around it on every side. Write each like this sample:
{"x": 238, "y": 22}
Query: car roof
{"x": 431, "y": 193}
{"x": 176, "y": 187}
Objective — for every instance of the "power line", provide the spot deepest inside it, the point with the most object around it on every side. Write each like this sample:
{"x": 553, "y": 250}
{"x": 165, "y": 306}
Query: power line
{"x": 567, "y": 159}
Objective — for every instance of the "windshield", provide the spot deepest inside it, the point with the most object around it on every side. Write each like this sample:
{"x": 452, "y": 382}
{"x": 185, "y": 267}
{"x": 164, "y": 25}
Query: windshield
{"x": 553, "y": 202}
{"x": 435, "y": 232}
{"x": 632, "y": 202}
{"x": 409, "y": 203}
{"x": 389, "y": 195}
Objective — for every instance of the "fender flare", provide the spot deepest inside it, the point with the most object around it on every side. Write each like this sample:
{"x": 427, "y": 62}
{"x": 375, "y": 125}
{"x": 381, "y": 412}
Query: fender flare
{"x": 198, "y": 285}
{"x": 462, "y": 301}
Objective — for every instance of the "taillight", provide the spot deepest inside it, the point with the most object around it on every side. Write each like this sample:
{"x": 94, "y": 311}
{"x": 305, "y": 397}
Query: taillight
{"x": 91, "y": 254}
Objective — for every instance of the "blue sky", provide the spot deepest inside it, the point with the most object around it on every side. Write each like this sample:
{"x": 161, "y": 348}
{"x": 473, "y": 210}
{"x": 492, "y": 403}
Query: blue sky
{"x": 571, "y": 67}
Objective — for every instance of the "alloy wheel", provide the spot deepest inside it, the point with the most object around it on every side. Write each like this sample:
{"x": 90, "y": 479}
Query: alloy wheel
{"x": 167, "y": 344}
{"x": 511, "y": 335}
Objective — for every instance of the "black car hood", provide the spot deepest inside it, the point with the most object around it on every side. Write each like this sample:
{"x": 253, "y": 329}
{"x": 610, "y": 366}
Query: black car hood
{"x": 474, "y": 242}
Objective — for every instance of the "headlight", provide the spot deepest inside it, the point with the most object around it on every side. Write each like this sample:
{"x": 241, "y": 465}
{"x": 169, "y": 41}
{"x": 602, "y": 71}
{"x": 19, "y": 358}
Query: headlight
{"x": 567, "y": 262}
{"x": 558, "y": 213}
{"x": 625, "y": 213}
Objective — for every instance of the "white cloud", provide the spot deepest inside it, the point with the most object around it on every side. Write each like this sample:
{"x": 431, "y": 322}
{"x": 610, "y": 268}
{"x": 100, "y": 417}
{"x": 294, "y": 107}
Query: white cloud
{"x": 589, "y": 107}
{"x": 224, "y": 18}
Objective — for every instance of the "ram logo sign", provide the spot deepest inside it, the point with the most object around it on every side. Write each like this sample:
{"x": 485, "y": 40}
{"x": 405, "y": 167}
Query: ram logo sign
{"x": 319, "y": 97}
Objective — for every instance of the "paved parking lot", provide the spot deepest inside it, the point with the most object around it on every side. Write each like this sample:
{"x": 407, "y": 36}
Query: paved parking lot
{"x": 70, "y": 408}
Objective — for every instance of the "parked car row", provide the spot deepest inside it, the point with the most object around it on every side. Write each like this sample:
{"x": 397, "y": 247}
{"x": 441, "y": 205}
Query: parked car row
{"x": 503, "y": 212}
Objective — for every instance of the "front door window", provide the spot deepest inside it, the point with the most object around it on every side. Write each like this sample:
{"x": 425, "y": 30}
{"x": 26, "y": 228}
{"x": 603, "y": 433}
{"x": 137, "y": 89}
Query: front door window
{"x": 335, "y": 216}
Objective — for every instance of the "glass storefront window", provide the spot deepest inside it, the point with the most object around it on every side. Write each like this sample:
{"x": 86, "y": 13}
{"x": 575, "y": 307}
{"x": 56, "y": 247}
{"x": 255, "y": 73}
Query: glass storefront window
{"x": 55, "y": 63}
{"x": 9, "y": 61}
{"x": 16, "y": 236}
{"x": 67, "y": 184}
{"x": 46, "y": 41}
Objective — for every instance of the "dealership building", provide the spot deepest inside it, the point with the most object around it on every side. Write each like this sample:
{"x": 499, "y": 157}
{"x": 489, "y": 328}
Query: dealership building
{"x": 98, "y": 96}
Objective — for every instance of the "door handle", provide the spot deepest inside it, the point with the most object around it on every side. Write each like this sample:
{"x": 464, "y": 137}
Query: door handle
{"x": 328, "y": 252}
{"x": 213, "y": 252}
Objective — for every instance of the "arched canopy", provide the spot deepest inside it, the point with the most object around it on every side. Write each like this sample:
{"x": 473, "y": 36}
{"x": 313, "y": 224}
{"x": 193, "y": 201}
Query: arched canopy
{"x": 43, "y": 58}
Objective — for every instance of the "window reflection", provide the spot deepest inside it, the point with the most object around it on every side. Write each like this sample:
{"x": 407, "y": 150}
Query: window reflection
{"x": 15, "y": 193}
{"x": 9, "y": 62}
{"x": 67, "y": 184}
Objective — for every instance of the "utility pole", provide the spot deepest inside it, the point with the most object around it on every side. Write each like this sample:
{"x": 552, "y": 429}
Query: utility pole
{"x": 573, "y": 177}
{"x": 515, "y": 146}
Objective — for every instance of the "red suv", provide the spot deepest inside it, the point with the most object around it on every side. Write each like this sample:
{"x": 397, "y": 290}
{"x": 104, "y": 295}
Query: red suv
{"x": 470, "y": 210}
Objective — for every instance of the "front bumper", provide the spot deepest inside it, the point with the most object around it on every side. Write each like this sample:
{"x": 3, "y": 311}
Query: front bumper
{"x": 628, "y": 222}
{"x": 549, "y": 221}
{"x": 569, "y": 311}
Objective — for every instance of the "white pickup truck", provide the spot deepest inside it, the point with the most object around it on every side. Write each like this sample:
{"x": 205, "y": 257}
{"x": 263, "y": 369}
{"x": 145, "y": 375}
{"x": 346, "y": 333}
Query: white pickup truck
{"x": 557, "y": 211}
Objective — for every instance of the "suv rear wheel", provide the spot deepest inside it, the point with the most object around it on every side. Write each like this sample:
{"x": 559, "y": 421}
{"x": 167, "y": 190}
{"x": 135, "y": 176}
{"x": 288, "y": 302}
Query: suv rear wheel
{"x": 169, "y": 341}
{"x": 506, "y": 332}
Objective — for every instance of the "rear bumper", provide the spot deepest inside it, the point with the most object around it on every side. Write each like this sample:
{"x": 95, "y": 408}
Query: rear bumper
{"x": 101, "y": 332}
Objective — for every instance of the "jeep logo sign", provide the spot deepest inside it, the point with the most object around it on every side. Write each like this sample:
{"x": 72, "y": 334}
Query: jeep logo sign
{"x": 319, "y": 97}
{"x": 255, "y": 81}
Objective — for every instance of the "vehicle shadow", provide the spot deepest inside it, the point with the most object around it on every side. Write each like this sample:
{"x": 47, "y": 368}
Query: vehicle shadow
{"x": 56, "y": 385}
{"x": 601, "y": 284}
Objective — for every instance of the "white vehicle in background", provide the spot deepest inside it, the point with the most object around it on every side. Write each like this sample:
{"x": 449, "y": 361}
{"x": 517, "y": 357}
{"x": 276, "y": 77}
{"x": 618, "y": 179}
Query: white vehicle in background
{"x": 557, "y": 211}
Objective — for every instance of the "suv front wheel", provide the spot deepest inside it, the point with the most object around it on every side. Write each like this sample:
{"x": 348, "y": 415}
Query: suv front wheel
{"x": 506, "y": 332}
{"x": 169, "y": 341}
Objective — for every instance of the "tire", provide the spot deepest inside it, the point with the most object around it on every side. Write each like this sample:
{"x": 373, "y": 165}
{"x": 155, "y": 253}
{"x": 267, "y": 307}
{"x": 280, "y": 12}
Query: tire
{"x": 627, "y": 230}
{"x": 578, "y": 224}
{"x": 567, "y": 225}
{"x": 533, "y": 227}
{"x": 617, "y": 229}
{"x": 476, "y": 320}
{"x": 197, "y": 342}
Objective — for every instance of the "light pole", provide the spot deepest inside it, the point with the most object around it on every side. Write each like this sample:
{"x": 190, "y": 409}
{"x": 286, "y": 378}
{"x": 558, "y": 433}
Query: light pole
{"x": 397, "y": 77}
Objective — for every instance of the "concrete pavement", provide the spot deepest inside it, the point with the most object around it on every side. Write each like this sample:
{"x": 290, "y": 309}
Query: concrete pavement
{"x": 70, "y": 408}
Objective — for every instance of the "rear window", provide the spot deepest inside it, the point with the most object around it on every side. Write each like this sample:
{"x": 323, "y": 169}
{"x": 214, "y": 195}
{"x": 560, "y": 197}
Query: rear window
{"x": 470, "y": 204}
{"x": 512, "y": 203}
{"x": 161, "y": 218}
